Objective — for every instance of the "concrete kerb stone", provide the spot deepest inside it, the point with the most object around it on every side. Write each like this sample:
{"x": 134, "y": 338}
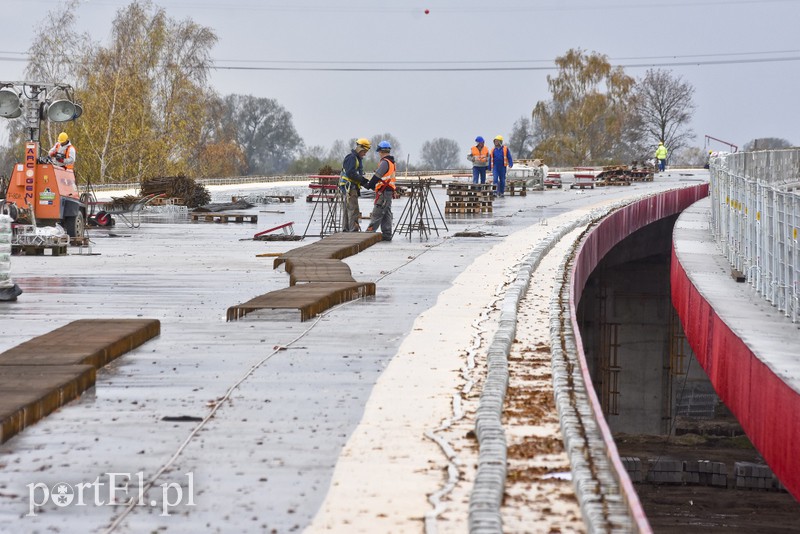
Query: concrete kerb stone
{"x": 487, "y": 492}
{"x": 485, "y": 498}
{"x": 600, "y": 511}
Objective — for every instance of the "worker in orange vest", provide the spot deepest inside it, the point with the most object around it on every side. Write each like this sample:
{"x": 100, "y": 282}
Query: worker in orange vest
{"x": 479, "y": 156}
{"x": 63, "y": 152}
{"x": 383, "y": 181}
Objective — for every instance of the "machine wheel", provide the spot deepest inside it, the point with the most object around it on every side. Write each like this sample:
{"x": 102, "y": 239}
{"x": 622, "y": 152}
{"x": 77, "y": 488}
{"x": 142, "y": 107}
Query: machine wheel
{"x": 74, "y": 225}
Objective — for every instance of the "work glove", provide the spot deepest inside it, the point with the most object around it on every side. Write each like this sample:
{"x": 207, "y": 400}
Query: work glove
{"x": 363, "y": 181}
{"x": 373, "y": 182}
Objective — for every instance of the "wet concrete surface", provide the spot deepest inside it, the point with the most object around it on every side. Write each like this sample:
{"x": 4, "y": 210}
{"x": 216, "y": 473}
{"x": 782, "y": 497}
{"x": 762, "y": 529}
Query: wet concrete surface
{"x": 264, "y": 459}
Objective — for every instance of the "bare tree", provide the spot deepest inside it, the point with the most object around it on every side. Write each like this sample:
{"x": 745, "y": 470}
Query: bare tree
{"x": 372, "y": 155}
{"x": 440, "y": 153}
{"x": 689, "y": 157}
{"x": 766, "y": 143}
{"x": 265, "y": 132}
{"x": 664, "y": 105}
{"x": 521, "y": 140}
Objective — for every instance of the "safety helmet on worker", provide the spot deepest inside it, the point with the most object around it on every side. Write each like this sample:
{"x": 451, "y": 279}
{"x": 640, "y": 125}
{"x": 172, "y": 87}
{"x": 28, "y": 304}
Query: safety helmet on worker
{"x": 363, "y": 143}
{"x": 63, "y": 137}
{"x": 479, "y": 139}
{"x": 384, "y": 146}
{"x": 498, "y": 138}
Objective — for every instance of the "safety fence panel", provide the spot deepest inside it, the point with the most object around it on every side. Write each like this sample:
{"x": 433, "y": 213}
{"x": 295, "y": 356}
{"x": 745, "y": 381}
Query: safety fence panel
{"x": 755, "y": 219}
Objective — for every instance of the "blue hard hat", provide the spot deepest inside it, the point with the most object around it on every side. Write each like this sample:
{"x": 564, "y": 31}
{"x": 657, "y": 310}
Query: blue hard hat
{"x": 479, "y": 139}
{"x": 384, "y": 145}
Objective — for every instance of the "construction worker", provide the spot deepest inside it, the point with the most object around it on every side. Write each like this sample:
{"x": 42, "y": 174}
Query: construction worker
{"x": 383, "y": 181}
{"x": 499, "y": 161}
{"x": 350, "y": 183}
{"x": 661, "y": 156}
{"x": 479, "y": 156}
{"x": 708, "y": 159}
{"x": 63, "y": 152}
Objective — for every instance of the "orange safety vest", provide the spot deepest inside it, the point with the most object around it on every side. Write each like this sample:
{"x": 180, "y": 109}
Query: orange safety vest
{"x": 70, "y": 148}
{"x": 505, "y": 156}
{"x": 480, "y": 155}
{"x": 388, "y": 179}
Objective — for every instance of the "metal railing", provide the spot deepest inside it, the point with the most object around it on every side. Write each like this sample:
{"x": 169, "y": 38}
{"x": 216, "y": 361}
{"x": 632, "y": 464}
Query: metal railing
{"x": 755, "y": 218}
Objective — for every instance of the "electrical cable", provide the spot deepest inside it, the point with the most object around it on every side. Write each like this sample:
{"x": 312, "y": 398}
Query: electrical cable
{"x": 226, "y": 397}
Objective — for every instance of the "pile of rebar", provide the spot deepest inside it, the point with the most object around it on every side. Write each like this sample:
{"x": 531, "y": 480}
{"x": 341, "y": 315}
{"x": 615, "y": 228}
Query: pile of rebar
{"x": 186, "y": 189}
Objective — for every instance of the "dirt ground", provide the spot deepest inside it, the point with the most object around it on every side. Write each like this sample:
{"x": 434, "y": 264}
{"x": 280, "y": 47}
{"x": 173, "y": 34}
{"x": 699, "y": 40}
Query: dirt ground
{"x": 687, "y": 508}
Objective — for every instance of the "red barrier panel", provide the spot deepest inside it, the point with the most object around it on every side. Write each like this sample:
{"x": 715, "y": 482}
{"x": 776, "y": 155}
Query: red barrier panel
{"x": 601, "y": 239}
{"x": 766, "y": 407}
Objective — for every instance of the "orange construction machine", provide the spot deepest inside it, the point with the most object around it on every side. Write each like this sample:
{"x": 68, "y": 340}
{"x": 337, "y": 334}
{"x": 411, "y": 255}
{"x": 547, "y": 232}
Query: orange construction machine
{"x": 40, "y": 192}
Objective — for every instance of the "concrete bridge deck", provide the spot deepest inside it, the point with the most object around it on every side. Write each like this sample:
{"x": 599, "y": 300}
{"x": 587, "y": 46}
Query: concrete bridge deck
{"x": 249, "y": 417}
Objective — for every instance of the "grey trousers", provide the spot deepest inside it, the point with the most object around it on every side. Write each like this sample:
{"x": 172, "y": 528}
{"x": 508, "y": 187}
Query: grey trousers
{"x": 351, "y": 212}
{"x": 382, "y": 214}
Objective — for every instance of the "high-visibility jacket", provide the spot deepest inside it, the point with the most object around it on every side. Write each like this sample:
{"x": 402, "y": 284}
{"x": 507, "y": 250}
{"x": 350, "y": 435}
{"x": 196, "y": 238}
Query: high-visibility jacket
{"x": 67, "y": 154}
{"x": 506, "y": 157}
{"x": 352, "y": 170}
{"x": 388, "y": 178}
{"x": 661, "y": 152}
{"x": 480, "y": 156}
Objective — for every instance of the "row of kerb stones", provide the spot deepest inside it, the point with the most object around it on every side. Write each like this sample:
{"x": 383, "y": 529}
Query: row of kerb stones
{"x": 747, "y": 475}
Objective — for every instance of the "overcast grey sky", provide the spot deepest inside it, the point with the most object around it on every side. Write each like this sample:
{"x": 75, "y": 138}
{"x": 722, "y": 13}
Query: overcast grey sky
{"x": 742, "y": 57}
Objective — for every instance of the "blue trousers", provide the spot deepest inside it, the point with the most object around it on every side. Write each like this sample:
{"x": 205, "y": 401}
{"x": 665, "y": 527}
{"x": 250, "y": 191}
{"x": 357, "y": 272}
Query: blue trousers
{"x": 499, "y": 178}
{"x": 661, "y": 164}
{"x": 478, "y": 172}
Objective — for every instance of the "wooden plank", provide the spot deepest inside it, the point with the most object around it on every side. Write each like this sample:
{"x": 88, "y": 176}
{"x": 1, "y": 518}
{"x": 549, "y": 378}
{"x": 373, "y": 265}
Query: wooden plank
{"x": 310, "y": 299}
{"x": 335, "y": 246}
{"x": 86, "y": 341}
{"x": 316, "y": 270}
{"x": 29, "y": 393}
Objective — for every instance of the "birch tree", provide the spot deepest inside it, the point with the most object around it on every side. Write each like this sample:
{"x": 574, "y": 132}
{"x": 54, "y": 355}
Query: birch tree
{"x": 586, "y": 119}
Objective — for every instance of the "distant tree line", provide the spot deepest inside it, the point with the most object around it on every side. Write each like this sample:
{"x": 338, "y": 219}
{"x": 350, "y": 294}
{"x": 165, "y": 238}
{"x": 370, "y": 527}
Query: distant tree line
{"x": 149, "y": 110}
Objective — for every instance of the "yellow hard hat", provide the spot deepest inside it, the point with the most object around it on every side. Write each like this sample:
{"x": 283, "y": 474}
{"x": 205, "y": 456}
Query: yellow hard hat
{"x": 498, "y": 138}
{"x": 63, "y": 137}
{"x": 363, "y": 143}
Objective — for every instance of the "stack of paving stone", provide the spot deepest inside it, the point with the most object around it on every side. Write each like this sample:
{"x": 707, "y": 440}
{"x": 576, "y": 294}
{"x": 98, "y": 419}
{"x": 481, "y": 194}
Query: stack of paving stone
{"x": 665, "y": 471}
{"x": 633, "y": 465}
{"x": 706, "y": 473}
{"x": 756, "y": 476}
{"x": 469, "y": 198}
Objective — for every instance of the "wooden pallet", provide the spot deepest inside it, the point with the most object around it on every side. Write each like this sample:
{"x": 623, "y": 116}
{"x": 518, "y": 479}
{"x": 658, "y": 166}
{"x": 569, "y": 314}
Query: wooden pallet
{"x": 310, "y": 299}
{"x": 484, "y": 209}
{"x": 519, "y": 189}
{"x": 38, "y": 250}
{"x": 280, "y": 198}
{"x": 224, "y": 217}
